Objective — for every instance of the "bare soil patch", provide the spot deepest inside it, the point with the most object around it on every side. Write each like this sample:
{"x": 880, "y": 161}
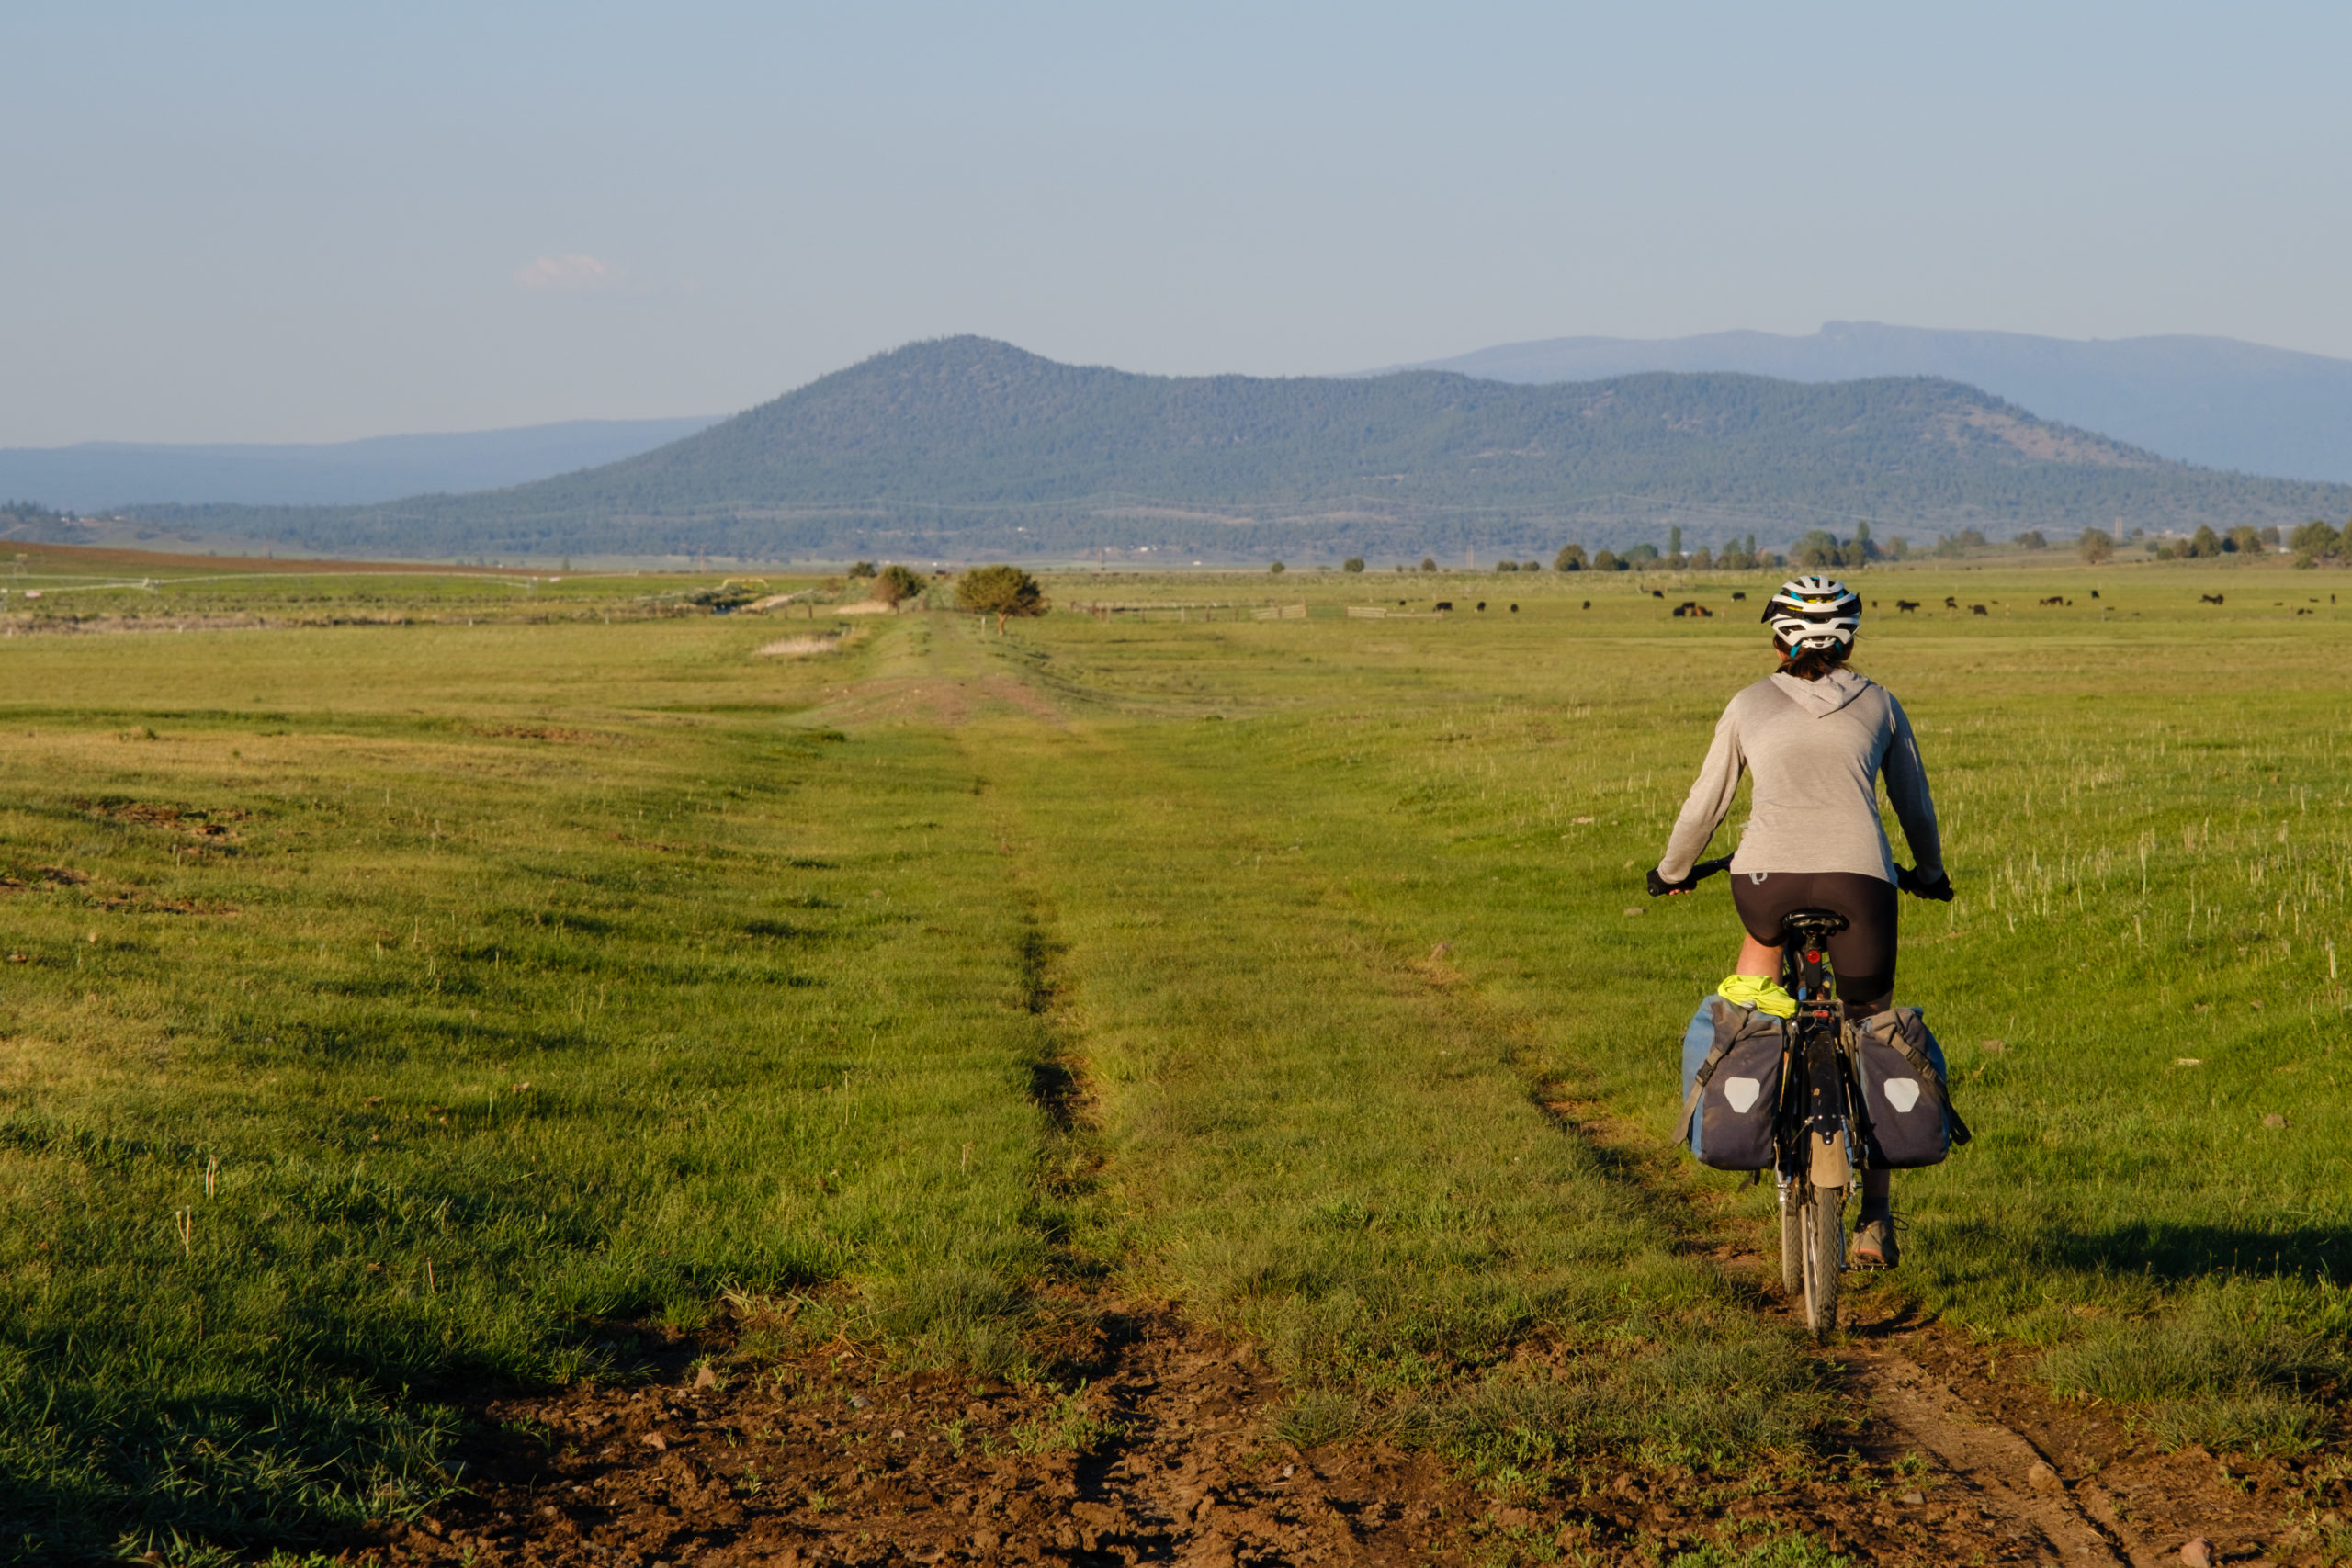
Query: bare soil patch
{"x": 1156, "y": 1446}
{"x": 832, "y": 1456}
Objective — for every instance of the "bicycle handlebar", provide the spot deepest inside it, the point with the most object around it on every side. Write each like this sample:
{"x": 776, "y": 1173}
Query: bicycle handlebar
{"x": 1659, "y": 886}
{"x": 1906, "y": 877}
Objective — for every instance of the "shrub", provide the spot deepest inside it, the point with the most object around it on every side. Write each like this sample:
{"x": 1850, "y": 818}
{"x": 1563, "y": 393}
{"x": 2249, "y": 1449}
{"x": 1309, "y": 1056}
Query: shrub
{"x": 1354, "y": 563}
{"x": 1571, "y": 558}
{"x": 861, "y": 569}
{"x": 999, "y": 591}
{"x": 1428, "y": 565}
{"x": 2245, "y": 539}
{"x": 894, "y": 585}
{"x": 1506, "y": 565}
{"x": 2095, "y": 545}
{"x": 1605, "y": 561}
{"x": 1277, "y": 569}
{"x": 1530, "y": 566}
{"x": 2032, "y": 539}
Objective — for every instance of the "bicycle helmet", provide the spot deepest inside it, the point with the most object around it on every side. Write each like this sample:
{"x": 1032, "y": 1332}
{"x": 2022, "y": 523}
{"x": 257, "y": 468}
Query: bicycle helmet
{"x": 1814, "y": 611}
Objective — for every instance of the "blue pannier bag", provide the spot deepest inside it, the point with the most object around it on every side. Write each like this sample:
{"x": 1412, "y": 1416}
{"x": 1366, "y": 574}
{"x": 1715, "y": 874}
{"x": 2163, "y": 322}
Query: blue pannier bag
{"x": 1907, "y": 1116}
{"x": 1731, "y": 1084}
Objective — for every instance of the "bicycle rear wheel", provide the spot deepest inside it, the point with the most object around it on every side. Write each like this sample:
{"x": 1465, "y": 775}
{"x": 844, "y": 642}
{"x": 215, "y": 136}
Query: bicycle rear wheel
{"x": 1822, "y": 1230}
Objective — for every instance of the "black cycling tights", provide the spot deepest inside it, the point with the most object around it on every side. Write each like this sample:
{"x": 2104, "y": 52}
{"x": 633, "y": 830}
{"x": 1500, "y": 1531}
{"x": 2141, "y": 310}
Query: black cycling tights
{"x": 1862, "y": 954}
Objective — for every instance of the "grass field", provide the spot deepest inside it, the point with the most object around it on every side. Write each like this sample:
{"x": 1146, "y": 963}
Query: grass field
{"x": 397, "y": 1006}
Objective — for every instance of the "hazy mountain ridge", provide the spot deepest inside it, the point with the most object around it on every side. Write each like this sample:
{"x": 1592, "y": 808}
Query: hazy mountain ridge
{"x": 2219, "y": 403}
{"x": 99, "y": 476}
{"x": 964, "y": 447}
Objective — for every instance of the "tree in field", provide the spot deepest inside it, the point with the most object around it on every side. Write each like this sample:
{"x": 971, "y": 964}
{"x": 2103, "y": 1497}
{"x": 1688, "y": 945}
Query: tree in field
{"x": 999, "y": 591}
{"x": 1277, "y": 569}
{"x": 2246, "y": 539}
{"x": 1354, "y": 563}
{"x": 2032, "y": 539}
{"x": 1428, "y": 565}
{"x": 2096, "y": 545}
{"x": 861, "y": 569}
{"x": 893, "y": 585}
{"x": 2317, "y": 541}
{"x": 1605, "y": 561}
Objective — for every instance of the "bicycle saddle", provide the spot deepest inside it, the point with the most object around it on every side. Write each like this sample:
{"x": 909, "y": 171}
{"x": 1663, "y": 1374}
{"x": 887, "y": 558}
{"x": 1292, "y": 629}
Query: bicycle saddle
{"x": 1811, "y": 924}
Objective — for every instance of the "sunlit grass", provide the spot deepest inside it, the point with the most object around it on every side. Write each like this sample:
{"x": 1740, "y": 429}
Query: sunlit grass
{"x": 401, "y": 1006}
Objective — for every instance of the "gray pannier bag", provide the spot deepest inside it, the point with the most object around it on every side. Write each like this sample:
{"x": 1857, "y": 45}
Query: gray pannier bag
{"x": 1907, "y": 1115}
{"x": 1731, "y": 1085}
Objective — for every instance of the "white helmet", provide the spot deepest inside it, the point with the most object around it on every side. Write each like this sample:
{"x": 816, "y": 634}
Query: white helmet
{"x": 1814, "y": 611}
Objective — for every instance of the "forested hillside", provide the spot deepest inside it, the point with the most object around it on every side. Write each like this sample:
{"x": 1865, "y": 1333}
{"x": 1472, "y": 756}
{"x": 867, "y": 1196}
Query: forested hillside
{"x": 963, "y": 447}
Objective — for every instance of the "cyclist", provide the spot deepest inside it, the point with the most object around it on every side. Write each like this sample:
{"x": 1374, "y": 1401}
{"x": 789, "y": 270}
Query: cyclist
{"x": 1817, "y": 737}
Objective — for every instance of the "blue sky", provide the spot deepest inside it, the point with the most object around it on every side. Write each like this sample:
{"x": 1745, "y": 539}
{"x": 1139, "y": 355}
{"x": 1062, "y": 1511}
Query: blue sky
{"x": 286, "y": 222}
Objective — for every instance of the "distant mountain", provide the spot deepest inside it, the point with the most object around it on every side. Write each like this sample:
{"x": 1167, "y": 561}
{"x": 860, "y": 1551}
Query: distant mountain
{"x": 2213, "y": 400}
{"x": 99, "y": 476}
{"x": 964, "y": 448}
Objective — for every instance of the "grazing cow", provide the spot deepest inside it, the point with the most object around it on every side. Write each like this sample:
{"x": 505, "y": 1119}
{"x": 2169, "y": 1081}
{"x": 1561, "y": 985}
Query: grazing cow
{"x": 1587, "y": 603}
{"x": 1740, "y": 595}
{"x": 1445, "y": 604}
{"x": 1514, "y": 609}
{"x": 1657, "y": 593}
{"x": 2209, "y": 598}
{"x": 1978, "y": 610}
{"x": 1482, "y": 603}
{"x": 1950, "y": 603}
{"x": 2300, "y": 610}
{"x": 2053, "y": 599}
{"x": 1906, "y": 606}
{"x": 2093, "y": 592}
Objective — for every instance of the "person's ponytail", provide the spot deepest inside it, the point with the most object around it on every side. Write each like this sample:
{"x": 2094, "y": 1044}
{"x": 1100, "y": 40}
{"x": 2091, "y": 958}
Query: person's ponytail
{"x": 1813, "y": 663}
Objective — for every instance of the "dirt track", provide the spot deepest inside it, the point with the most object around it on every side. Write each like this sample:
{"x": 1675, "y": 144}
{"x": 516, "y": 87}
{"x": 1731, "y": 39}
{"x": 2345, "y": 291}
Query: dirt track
{"x": 831, "y": 1457}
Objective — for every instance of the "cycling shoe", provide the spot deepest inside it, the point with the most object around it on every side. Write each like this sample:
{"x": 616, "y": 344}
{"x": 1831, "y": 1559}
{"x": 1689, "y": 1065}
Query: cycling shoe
{"x": 1874, "y": 1243}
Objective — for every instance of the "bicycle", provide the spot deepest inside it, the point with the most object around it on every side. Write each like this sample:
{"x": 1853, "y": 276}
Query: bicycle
{"x": 1816, "y": 1124}
{"x": 1813, "y": 1136}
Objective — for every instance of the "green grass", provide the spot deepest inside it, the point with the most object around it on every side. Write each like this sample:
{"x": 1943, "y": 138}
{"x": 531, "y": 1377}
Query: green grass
{"x": 917, "y": 975}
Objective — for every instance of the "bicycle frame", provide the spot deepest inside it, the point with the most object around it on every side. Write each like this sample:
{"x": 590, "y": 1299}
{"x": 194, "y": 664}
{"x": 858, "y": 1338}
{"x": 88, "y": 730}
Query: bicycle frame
{"x": 1815, "y": 1132}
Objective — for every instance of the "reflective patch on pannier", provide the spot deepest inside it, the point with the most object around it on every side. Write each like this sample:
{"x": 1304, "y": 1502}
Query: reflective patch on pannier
{"x": 1731, "y": 1085}
{"x": 1908, "y": 1118}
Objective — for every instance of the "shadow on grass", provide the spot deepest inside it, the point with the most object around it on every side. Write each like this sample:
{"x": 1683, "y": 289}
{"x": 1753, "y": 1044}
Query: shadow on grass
{"x": 2169, "y": 1253}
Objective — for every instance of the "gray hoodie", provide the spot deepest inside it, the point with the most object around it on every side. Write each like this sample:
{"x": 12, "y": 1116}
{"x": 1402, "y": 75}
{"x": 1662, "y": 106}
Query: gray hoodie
{"x": 1817, "y": 748}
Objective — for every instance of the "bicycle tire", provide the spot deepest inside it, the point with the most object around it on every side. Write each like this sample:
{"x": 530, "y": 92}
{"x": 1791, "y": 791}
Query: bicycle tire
{"x": 1792, "y": 1243}
{"x": 1824, "y": 1232}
